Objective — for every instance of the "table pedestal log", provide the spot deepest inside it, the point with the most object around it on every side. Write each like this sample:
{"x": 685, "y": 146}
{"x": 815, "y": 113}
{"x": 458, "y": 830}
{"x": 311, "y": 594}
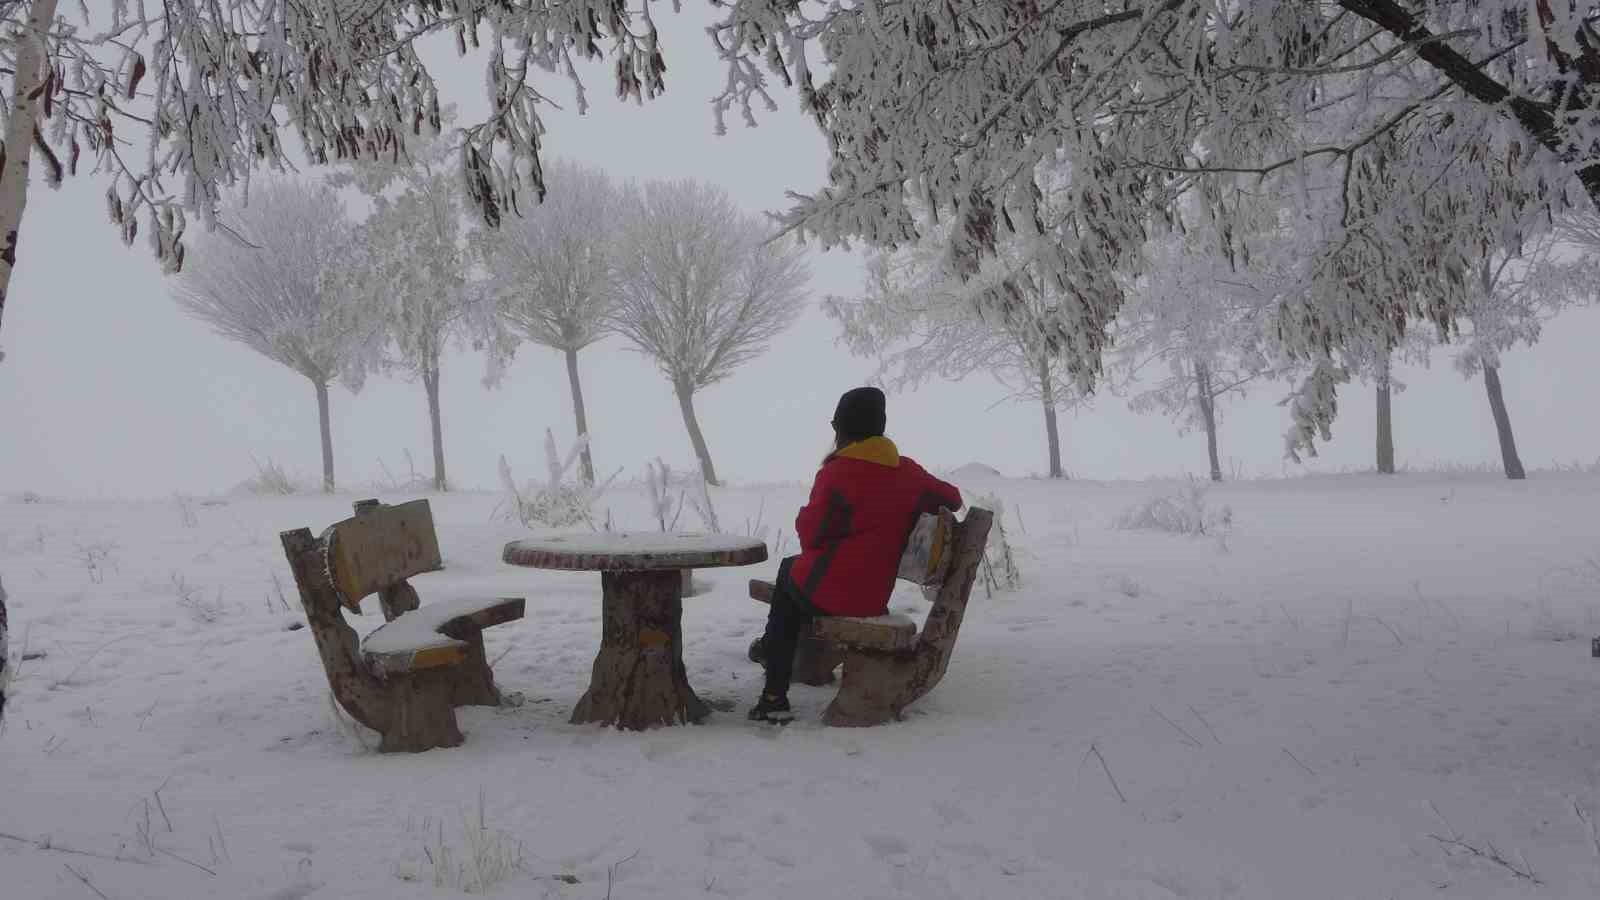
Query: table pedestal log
{"x": 639, "y": 680}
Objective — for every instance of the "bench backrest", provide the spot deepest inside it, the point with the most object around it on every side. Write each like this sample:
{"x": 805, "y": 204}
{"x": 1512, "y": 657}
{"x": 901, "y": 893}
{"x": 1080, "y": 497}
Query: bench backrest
{"x": 938, "y": 634}
{"x": 380, "y": 547}
{"x": 929, "y": 548}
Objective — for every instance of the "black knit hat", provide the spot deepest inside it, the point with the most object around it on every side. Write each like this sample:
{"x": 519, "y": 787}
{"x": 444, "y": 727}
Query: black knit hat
{"x": 860, "y": 414}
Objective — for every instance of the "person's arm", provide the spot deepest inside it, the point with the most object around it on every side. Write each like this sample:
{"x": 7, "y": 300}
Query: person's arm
{"x": 808, "y": 524}
{"x": 949, "y": 495}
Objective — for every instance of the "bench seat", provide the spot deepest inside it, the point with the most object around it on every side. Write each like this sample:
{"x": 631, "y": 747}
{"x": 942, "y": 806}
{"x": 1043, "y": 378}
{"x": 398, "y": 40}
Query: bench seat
{"x": 420, "y": 639}
{"x": 893, "y": 633}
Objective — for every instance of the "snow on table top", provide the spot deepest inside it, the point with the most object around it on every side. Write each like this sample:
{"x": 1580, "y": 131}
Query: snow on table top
{"x": 635, "y": 551}
{"x": 418, "y": 629}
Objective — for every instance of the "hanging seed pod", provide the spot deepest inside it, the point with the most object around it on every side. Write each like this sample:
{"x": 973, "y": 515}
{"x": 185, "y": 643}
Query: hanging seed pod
{"x": 135, "y": 75}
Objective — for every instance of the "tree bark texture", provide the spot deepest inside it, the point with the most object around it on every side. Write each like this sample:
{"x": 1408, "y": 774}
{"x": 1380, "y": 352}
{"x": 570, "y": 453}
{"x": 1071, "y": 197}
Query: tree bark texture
{"x": 327, "y": 435}
{"x": 1502, "y": 424}
{"x": 585, "y": 459}
{"x": 430, "y": 383}
{"x": 1385, "y": 421}
{"x": 639, "y": 680}
{"x": 1208, "y": 415}
{"x": 685, "y": 394}
{"x": 32, "y": 63}
{"x": 878, "y": 686}
{"x": 1047, "y": 397}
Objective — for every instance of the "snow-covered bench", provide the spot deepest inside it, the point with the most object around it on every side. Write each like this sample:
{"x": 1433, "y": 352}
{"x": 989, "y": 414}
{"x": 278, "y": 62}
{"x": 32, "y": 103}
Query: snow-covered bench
{"x": 888, "y": 662}
{"x": 406, "y": 678}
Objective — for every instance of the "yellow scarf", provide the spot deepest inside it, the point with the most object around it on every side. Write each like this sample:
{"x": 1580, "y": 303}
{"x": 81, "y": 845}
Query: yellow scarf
{"x": 879, "y": 450}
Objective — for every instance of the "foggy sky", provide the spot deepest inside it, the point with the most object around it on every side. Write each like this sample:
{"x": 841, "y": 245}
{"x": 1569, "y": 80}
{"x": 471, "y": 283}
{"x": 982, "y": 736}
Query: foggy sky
{"x": 108, "y": 390}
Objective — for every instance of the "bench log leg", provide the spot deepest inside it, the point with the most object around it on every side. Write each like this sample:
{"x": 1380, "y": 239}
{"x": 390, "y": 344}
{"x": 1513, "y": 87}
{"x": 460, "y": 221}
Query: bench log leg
{"x": 472, "y": 681}
{"x": 814, "y": 661}
{"x": 869, "y": 692}
{"x": 639, "y": 680}
{"x": 422, "y": 715}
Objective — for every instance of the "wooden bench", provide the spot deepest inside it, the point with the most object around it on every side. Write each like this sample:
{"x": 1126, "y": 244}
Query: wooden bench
{"x": 405, "y": 679}
{"x": 888, "y": 662}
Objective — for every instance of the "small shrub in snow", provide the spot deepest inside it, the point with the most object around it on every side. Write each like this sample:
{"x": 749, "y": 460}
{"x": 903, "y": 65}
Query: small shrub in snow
{"x": 193, "y": 600}
{"x": 270, "y": 480}
{"x": 557, "y": 503}
{"x": 95, "y": 557}
{"x": 700, "y": 502}
{"x": 658, "y": 489}
{"x": 413, "y": 482}
{"x": 1181, "y": 512}
{"x": 483, "y": 859}
{"x": 186, "y": 514}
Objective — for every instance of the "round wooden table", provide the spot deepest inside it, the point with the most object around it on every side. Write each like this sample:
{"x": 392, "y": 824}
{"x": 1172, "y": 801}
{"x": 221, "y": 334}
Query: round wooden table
{"x": 638, "y": 680}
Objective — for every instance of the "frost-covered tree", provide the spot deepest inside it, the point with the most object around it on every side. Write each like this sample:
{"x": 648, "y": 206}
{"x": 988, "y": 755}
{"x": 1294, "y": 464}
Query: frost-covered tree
{"x": 922, "y": 321}
{"x": 1193, "y": 332}
{"x": 177, "y": 101}
{"x": 281, "y": 284}
{"x": 409, "y": 268}
{"x": 1512, "y": 295}
{"x": 698, "y": 289}
{"x": 1158, "y": 98}
{"x": 549, "y": 276}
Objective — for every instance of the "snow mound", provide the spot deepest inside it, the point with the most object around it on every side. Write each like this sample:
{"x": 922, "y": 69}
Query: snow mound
{"x": 975, "y": 471}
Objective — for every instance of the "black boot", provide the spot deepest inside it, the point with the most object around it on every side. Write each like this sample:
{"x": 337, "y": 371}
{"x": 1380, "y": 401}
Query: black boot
{"x": 772, "y": 709}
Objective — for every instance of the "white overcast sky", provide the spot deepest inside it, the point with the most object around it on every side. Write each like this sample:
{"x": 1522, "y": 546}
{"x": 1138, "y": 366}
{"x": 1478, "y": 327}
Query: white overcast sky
{"x": 108, "y": 390}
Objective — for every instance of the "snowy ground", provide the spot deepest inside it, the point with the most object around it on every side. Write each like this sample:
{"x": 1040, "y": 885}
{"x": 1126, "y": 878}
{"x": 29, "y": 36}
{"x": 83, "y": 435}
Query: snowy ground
{"x": 1371, "y": 670}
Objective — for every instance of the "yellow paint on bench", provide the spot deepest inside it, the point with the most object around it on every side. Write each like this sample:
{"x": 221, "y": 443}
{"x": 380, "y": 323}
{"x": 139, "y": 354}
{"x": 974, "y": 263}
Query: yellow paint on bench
{"x": 435, "y": 657}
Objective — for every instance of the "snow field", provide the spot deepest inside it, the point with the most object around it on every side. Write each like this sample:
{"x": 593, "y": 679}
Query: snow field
{"x": 1372, "y": 688}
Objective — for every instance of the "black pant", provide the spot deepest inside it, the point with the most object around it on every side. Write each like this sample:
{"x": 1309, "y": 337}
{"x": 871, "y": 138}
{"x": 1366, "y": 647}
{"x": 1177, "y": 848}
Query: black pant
{"x": 789, "y": 613}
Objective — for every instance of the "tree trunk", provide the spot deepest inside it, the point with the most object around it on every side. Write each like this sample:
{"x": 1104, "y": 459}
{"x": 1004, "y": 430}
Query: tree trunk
{"x": 31, "y": 64}
{"x": 1385, "y": 421}
{"x": 1502, "y": 424}
{"x": 5, "y": 657}
{"x": 685, "y": 394}
{"x": 327, "y": 435}
{"x": 585, "y": 460}
{"x": 1208, "y": 414}
{"x": 1047, "y": 396}
{"x": 430, "y": 383}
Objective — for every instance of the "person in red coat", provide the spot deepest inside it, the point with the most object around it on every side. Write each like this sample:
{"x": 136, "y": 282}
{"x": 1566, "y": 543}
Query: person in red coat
{"x": 864, "y": 502}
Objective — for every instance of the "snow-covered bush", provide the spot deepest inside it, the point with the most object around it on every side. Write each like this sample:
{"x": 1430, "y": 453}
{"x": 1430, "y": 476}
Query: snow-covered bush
{"x": 1181, "y": 512}
{"x": 1000, "y": 570}
{"x": 270, "y": 480}
{"x": 658, "y": 489}
{"x": 557, "y": 503}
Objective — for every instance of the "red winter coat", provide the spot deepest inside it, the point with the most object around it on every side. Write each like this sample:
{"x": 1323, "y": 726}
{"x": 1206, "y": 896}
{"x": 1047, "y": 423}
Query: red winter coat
{"x": 853, "y": 529}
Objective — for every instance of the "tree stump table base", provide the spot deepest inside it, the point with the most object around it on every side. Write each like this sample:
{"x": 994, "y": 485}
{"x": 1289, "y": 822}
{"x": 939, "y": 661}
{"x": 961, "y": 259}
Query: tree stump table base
{"x": 639, "y": 680}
